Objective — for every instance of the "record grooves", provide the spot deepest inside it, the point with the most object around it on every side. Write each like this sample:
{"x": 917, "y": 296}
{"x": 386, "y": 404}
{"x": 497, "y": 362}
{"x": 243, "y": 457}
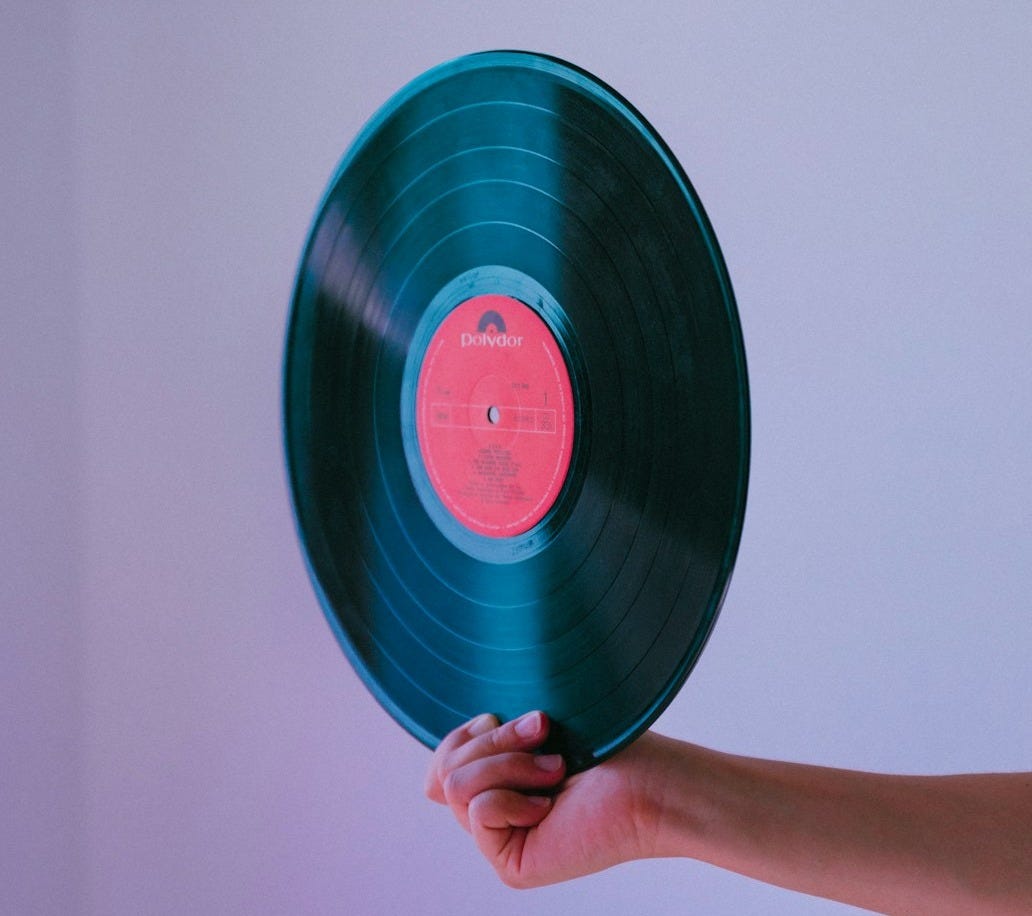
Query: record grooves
{"x": 516, "y": 406}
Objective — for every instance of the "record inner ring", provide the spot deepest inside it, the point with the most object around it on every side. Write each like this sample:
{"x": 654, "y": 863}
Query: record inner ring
{"x": 495, "y": 416}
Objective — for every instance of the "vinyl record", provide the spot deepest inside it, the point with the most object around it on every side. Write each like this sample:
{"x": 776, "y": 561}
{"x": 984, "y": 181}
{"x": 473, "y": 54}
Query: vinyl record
{"x": 516, "y": 408}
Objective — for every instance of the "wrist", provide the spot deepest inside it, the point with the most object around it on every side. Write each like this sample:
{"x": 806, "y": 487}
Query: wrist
{"x": 683, "y": 800}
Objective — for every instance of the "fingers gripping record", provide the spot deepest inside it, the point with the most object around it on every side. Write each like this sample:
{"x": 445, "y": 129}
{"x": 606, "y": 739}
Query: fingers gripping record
{"x": 489, "y": 774}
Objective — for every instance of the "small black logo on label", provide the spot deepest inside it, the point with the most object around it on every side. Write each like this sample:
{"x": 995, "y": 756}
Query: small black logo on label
{"x": 489, "y": 319}
{"x": 490, "y": 333}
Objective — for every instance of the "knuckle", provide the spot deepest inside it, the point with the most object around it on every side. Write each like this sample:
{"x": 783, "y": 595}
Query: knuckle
{"x": 496, "y": 740}
{"x": 452, "y": 787}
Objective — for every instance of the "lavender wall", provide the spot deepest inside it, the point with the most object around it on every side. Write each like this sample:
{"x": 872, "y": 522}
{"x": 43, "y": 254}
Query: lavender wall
{"x": 41, "y": 696}
{"x": 187, "y": 737}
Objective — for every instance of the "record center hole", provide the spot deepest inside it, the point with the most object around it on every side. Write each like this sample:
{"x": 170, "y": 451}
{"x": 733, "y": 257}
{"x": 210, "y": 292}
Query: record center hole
{"x": 493, "y": 414}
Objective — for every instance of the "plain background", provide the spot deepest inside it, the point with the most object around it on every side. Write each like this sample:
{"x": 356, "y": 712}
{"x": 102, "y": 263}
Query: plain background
{"x": 179, "y": 732}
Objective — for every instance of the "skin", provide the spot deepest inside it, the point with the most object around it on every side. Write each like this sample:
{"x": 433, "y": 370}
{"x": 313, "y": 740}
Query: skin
{"x": 894, "y": 844}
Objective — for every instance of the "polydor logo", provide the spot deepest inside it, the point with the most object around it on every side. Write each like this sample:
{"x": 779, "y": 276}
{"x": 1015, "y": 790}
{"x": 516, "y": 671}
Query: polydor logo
{"x": 490, "y": 322}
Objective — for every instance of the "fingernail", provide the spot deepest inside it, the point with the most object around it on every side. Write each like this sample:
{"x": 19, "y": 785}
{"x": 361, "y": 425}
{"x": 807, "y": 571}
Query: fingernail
{"x": 481, "y": 725}
{"x": 529, "y": 725}
{"x": 542, "y": 801}
{"x": 548, "y": 762}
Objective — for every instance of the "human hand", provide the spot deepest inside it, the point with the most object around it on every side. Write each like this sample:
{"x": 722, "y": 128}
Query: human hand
{"x": 906, "y": 844}
{"x": 533, "y": 827}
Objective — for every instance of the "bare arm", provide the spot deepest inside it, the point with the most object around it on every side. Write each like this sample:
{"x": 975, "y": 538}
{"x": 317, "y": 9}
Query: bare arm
{"x": 896, "y": 844}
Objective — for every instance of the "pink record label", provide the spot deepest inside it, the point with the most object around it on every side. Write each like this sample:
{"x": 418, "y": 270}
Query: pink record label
{"x": 494, "y": 415}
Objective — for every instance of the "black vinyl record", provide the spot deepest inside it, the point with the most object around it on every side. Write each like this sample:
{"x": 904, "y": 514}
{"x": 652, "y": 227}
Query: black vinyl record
{"x": 516, "y": 407}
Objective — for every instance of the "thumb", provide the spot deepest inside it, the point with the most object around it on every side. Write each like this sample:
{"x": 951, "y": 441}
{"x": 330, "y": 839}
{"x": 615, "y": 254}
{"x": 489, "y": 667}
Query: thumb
{"x": 499, "y": 820}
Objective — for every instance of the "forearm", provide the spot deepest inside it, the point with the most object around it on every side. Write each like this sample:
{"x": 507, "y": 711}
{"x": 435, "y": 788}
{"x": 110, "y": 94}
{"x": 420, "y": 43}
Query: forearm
{"x": 895, "y": 844}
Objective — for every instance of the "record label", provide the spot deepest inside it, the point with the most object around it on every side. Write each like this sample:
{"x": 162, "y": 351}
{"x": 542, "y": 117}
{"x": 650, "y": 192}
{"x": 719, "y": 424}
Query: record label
{"x": 494, "y": 415}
